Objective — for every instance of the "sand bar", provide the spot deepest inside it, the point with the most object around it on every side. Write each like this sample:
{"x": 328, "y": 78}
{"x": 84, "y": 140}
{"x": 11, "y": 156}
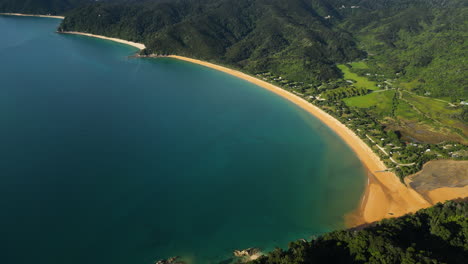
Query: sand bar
{"x": 30, "y": 15}
{"x": 133, "y": 44}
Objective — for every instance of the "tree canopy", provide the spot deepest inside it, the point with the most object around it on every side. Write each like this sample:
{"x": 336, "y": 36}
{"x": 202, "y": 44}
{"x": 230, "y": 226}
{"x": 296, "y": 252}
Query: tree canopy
{"x": 434, "y": 235}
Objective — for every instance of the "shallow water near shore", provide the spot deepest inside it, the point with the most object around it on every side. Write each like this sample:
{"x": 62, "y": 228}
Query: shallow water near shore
{"x": 110, "y": 159}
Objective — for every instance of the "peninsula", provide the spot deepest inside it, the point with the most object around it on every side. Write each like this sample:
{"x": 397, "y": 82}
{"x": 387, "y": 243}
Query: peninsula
{"x": 139, "y": 46}
{"x": 31, "y": 15}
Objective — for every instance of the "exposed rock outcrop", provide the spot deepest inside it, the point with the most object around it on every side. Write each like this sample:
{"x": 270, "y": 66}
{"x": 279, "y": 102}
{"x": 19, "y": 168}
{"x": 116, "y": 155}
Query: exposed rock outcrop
{"x": 248, "y": 254}
{"x": 173, "y": 260}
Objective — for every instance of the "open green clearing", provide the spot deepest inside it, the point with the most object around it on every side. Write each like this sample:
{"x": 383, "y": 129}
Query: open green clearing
{"x": 382, "y": 101}
{"x": 406, "y": 112}
{"x": 359, "y": 81}
{"x": 437, "y": 110}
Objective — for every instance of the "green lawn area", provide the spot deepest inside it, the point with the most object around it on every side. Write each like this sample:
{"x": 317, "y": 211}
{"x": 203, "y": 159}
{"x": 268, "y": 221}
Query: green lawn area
{"x": 381, "y": 100}
{"x": 360, "y": 81}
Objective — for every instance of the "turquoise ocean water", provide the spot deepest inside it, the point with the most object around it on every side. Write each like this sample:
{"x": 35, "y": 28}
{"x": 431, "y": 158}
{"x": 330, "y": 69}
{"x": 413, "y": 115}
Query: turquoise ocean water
{"x": 110, "y": 159}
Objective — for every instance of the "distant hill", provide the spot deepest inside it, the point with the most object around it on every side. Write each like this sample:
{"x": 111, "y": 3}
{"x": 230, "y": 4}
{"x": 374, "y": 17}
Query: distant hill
{"x": 285, "y": 37}
{"x": 421, "y": 41}
{"x": 424, "y": 42}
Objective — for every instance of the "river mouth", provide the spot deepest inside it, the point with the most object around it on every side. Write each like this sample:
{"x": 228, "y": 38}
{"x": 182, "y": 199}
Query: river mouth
{"x": 110, "y": 159}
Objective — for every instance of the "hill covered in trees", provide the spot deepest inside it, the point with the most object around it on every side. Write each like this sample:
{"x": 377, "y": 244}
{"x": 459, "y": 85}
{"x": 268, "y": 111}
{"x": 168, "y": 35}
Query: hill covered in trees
{"x": 285, "y": 37}
{"x": 434, "y": 235}
{"x": 420, "y": 42}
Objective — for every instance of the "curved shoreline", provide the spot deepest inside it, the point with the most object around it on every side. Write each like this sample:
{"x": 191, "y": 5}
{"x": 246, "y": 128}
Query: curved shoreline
{"x": 31, "y": 15}
{"x": 139, "y": 46}
{"x": 385, "y": 196}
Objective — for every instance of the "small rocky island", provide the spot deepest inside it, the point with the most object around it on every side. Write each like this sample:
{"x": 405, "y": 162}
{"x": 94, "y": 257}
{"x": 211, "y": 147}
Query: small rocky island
{"x": 248, "y": 254}
{"x": 172, "y": 260}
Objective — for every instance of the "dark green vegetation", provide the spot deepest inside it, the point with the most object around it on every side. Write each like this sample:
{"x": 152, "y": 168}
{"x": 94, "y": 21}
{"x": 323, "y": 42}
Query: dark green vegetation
{"x": 434, "y": 235}
{"x": 393, "y": 71}
{"x": 285, "y": 37}
{"x": 422, "y": 45}
{"x": 418, "y": 42}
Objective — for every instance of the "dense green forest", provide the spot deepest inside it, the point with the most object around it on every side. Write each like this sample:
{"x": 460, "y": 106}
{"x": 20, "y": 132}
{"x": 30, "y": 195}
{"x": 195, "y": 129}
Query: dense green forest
{"x": 285, "y": 37}
{"x": 434, "y": 235}
{"x": 423, "y": 44}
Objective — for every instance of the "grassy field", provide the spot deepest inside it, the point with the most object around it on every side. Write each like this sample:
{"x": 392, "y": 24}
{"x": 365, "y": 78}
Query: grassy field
{"x": 360, "y": 81}
{"x": 405, "y": 111}
{"x": 418, "y": 117}
{"x": 437, "y": 110}
{"x": 410, "y": 120}
{"x": 382, "y": 101}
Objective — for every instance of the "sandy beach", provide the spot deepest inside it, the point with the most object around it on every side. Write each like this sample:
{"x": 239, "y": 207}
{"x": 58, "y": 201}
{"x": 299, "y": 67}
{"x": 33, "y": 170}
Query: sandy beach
{"x": 30, "y": 15}
{"x": 139, "y": 46}
{"x": 385, "y": 196}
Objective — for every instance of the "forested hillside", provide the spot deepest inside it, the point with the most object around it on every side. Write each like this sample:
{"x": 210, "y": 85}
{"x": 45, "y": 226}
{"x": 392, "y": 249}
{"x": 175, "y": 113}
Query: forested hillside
{"x": 420, "y": 42}
{"x": 285, "y": 37}
{"x": 435, "y": 235}
{"x": 423, "y": 43}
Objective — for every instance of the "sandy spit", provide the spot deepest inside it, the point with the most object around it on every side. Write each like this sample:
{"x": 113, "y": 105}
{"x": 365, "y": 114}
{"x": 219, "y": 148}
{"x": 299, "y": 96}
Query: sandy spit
{"x": 133, "y": 44}
{"x": 30, "y": 15}
{"x": 130, "y": 43}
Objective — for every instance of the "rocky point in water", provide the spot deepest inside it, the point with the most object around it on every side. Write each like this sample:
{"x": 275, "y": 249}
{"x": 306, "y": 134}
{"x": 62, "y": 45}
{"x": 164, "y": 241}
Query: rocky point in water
{"x": 173, "y": 260}
{"x": 248, "y": 254}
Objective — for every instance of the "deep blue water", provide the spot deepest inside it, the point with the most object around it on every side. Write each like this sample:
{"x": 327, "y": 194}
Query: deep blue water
{"x": 111, "y": 159}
